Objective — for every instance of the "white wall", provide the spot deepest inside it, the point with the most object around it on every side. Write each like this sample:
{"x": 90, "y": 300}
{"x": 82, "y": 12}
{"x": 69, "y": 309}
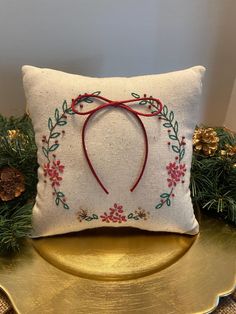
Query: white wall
{"x": 230, "y": 118}
{"x": 119, "y": 37}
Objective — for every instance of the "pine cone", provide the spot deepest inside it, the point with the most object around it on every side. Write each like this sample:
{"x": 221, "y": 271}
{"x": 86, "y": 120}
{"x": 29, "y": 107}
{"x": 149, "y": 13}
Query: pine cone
{"x": 205, "y": 141}
{"x": 12, "y": 183}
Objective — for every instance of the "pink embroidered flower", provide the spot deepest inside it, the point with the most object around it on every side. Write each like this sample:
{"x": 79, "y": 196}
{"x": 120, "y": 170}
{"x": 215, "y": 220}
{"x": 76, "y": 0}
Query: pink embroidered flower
{"x": 46, "y": 169}
{"x": 57, "y": 165}
{"x": 53, "y": 172}
{"x": 182, "y": 169}
{"x": 115, "y": 214}
{"x": 175, "y": 172}
{"x": 105, "y": 217}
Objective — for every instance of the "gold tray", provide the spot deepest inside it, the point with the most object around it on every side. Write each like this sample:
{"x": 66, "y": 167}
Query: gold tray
{"x": 123, "y": 271}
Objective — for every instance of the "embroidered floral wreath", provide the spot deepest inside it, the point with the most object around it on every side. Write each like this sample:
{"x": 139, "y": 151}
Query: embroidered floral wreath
{"x": 53, "y": 169}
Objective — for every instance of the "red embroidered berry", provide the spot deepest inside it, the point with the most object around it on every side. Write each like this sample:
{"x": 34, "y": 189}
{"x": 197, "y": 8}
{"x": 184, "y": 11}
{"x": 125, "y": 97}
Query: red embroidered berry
{"x": 64, "y": 199}
{"x": 45, "y": 181}
{"x": 169, "y": 131}
{"x": 56, "y": 141}
{"x": 182, "y": 181}
{"x": 53, "y": 155}
{"x": 159, "y": 118}
{"x": 145, "y": 95}
{"x": 43, "y": 141}
{"x": 150, "y": 107}
{"x": 176, "y": 157}
{"x": 168, "y": 143}
{"x": 172, "y": 195}
{"x": 81, "y": 106}
{"x": 53, "y": 193}
{"x": 183, "y": 137}
{"x": 162, "y": 201}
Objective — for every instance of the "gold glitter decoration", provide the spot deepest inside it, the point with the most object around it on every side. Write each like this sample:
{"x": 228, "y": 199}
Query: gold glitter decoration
{"x": 12, "y": 183}
{"x": 142, "y": 214}
{"x": 14, "y": 135}
{"x": 228, "y": 151}
{"x": 82, "y": 214}
{"x": 205, "y": 140}
{"x": 231, "y": 150}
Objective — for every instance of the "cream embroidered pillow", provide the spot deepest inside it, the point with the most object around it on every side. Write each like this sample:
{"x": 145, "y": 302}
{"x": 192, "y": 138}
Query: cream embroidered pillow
{"x": 113, "y": 151}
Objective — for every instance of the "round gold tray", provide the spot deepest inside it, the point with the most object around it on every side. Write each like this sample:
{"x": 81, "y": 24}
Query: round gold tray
{"x": 123, "y": 271}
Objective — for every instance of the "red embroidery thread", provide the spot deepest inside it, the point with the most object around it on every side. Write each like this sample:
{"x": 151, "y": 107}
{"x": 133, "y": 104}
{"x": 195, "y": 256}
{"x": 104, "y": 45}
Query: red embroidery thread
{"x": 120, "y": 104}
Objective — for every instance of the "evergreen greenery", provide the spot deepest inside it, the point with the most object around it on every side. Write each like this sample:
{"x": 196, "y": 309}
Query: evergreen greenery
{"x": 20, "y": 153}
{"x": 213, "y": 180}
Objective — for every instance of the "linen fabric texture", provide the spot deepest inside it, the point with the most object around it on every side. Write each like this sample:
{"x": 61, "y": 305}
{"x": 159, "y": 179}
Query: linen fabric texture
{"x": 69, "y": 197}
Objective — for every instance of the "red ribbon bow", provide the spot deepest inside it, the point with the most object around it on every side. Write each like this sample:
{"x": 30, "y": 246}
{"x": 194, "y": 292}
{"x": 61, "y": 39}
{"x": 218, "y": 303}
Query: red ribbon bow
{"x": 120, "y": 104}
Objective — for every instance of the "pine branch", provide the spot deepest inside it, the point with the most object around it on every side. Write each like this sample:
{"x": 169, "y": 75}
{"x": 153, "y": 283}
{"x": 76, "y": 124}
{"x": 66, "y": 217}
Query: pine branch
{"x": 20, "y": 153}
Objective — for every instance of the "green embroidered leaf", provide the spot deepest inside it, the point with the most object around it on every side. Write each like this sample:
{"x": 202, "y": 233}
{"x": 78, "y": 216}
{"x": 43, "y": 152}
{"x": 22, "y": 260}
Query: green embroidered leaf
{"x": 63, "y": 122}
{"x": 181, "y": 155}
{"x": 143, "y": 102}
{"x": 88, "y": 218}
{"x": 56, "y": 115}
{"x": 66, "y": 206}
{"x": 45, "y": 152}
{"x": 60, "y": 194}
{"x": 165, "y": 110}
{"x": 175, "y": 149}
{"x": 176, "y": 127}
{"x": 168, "y": 202}
{"x": 172, "y": 137}
{"x": 171, "y": 116}
{"x": 70, "y": 111}
{"x": 88, "y": 100}
{"x": 97, "y": 93}
{"x": 135, "y": 95}
{"x": 50, "y": 125}
{"x": 167, "y": 125}
{"x": 150, "y": 101}
{"x": 53, "y": 147}
{"x": 130, "y": 216}
{"x": 95, "y": 216}
{"x": 159, "y": 205}
{"x": 57, "y": 200}
{"x": 64, "y": 106}
{"x": 164, "y": 195}
{"x": 54, "y": 135}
